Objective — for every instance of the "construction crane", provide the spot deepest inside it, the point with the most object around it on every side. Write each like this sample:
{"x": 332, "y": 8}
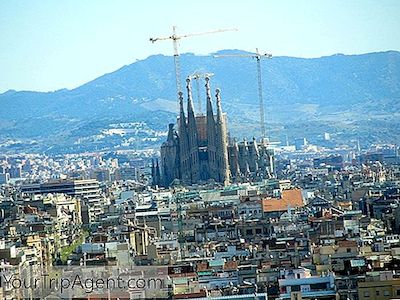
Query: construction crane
{"x": 175, "y": 38}
{"x": 196, "y": 76}
{"x": 258, "y": 57}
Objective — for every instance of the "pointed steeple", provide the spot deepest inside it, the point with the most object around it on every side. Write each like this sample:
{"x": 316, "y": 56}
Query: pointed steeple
{"x": 208, "y": 94}
{"x": 192, "y": 136}
{"x": 190, "y": 109}
{"x": 221, "y": 143}
{"x": 182, "y": 118}
{"x": 183, "y": 142}
{"x": 170, "y": 137}
{"x": 219, "y": 107}
{"x": 211, "y": 134}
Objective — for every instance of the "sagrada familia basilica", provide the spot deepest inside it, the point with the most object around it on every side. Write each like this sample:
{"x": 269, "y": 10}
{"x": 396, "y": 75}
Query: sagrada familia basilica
{"x": 200, "y": 150}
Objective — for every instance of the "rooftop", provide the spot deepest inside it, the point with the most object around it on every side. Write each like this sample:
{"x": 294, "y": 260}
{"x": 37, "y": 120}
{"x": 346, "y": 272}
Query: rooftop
{"x": 289, "y": 198}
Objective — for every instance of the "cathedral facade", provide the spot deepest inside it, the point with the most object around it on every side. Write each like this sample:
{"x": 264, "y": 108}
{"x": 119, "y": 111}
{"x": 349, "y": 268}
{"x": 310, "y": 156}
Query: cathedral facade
{"x": 200, "y": 151}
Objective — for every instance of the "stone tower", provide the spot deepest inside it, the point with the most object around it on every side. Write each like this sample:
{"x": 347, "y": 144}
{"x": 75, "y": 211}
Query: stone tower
{"x": 184, "y": 158}
{"x": 193, "y": 148}
{"x": 199, "y": 151}
{"x": 170, "y": 164}
{"x": 221, "y": 143}
{"x": 211, "y": 133}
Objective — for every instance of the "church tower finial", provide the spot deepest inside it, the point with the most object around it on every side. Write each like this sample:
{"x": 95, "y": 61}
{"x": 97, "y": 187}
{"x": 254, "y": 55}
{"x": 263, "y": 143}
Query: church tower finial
{"x": 221, "y": 142}
{"x": 182, "y": 117}
{"x": 208, "y": 94}
{"x": 208, "y": 91}
{"x": 193, "y": 149}
{"x": 183, "y": 142}
{"x": 180, "y": 95}
{"x": 190, "y": 109}
{"x": 219, "y": 107}
{"x": 211, "y": 134}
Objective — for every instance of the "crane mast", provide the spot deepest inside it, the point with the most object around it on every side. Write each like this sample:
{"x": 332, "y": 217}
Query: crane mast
{"x": 260, "y": 95}
{"x": 175, "y": 38}
{"x": 176, "y": 61}
{"x": 258, "y": 57}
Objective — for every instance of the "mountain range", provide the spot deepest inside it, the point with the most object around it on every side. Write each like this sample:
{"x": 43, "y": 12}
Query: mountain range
{"x": 349, "y": 96}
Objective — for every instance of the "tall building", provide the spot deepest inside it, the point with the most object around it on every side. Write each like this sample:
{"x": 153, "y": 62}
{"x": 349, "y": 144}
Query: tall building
{"x": 200, "y": 151}
{"x": 87, "y": 190}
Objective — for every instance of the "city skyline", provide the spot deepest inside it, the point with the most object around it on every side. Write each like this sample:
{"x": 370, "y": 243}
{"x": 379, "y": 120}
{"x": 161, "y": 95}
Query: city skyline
{"x": 230, "y": 174}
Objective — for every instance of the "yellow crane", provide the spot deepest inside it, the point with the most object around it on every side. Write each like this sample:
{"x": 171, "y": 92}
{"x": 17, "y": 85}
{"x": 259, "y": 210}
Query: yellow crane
{"x": 258, "y": 57}
{"x": 175, "y": 38}
{"x": 196, "y": 76}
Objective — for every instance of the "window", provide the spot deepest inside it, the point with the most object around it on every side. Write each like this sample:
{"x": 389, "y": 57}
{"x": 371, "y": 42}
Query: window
{"x": 318, "y": 286}
{"x": 296, "y": 288}
{"x": 386, "y": 293}
{"x": 366, "y": 294}
{"x": 398, "y": 292}
{"x": 377, "y": 293}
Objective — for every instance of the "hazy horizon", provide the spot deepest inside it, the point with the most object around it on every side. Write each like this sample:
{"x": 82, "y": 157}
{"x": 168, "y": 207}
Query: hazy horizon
{"x": 116, "y": 69}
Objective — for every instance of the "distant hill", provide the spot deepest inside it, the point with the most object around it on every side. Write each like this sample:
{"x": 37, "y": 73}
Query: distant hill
{"x": 338, "y": 92}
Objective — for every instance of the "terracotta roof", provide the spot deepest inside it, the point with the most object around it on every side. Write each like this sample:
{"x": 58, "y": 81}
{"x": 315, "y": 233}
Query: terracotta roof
{"x": 347, "y": 243}
{"x": 230, "y": 265}
{"x": 292, "y": 198}
{"x": 200, "y": 294}
{"x": 202, "y": 267}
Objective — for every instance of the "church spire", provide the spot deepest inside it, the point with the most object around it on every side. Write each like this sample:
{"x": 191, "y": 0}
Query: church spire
{"x": 170, "y": 137}
{"x": 192, "y": 136}
{"x": 221, "y": 143}
{"x": 183, "y": 142}
{"x": 182, "y": 118}
{"x": 211, "y": 135}
{"x": 190, "y": 110}
{"x": 208, "y": 93}
{"x": 219, "y": 107}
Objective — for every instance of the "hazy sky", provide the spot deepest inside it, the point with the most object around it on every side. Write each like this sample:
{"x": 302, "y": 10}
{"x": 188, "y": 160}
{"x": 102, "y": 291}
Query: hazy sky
{"x": 48, "y": 45}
